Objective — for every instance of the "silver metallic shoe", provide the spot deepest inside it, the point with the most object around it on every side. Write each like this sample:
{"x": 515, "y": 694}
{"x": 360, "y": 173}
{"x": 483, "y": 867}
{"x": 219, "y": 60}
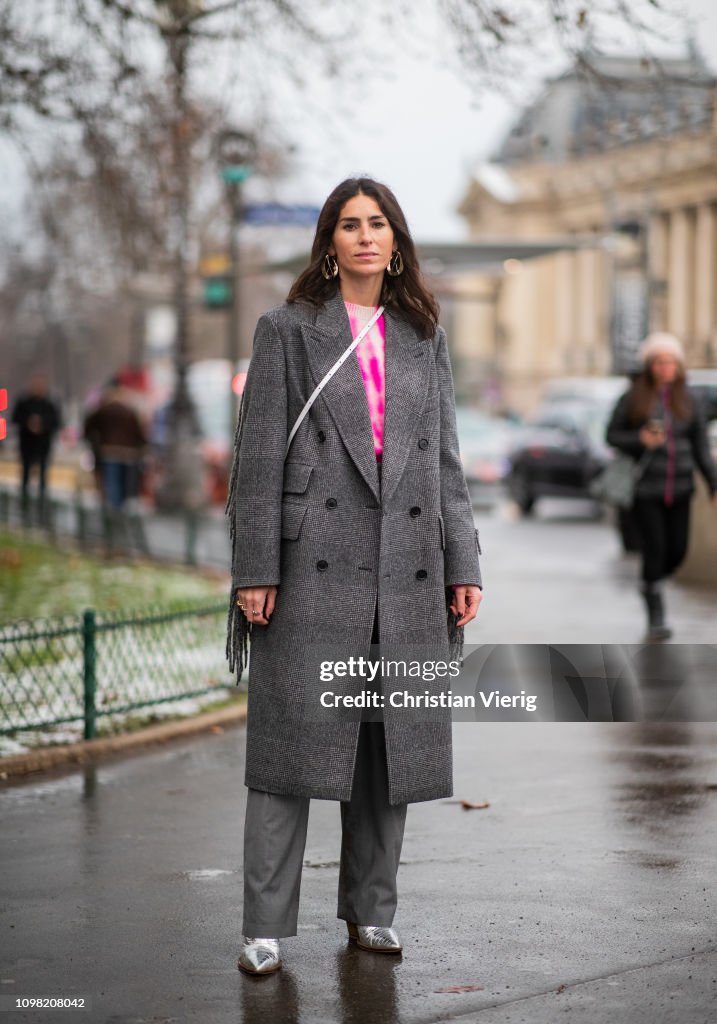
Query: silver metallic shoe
{"x": 376, "y": 938}
{"x": 259, "y": 956}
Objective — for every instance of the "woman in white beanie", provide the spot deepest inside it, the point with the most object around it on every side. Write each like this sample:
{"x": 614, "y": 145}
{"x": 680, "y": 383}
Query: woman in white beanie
{"x": 659, "y": 414}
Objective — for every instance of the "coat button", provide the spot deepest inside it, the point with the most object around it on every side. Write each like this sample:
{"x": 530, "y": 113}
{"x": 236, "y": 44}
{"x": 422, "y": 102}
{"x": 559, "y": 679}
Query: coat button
{"x": 331, "y": 502}
{"x": 415, "y": 511}
{"x": 421, "y": 574}
{"x": 321, "y": 436}
{"x": 423, "y": 443}
{"x": 322, "y": 565}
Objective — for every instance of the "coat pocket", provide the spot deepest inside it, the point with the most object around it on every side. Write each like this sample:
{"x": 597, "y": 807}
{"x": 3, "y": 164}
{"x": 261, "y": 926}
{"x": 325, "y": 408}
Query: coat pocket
{"x": 480, "y": 550}
{"x": 296, "y": 477}
{"x": 292, "y": 517}
{"x": 443, "y": 532}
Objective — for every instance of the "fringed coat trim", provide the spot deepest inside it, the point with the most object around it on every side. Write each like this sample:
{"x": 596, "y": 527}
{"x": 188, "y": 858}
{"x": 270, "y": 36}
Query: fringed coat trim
{"x": 238, "y": 626}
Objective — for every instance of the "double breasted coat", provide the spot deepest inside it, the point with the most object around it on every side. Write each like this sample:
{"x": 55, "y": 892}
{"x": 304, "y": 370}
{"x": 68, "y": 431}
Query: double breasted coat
{"x": 339, "y": 546}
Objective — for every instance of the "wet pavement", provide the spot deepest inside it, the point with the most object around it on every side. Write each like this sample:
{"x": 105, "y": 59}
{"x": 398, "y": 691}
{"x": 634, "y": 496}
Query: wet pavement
{"x": 561, "y": 577}
{"x": 583, "y": 892}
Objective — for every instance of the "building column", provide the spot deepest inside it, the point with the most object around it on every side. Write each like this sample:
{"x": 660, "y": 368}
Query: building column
{"x": 681, "y": 277}
{"x": 588, "y": 308}
{"x": 565, "y": 338}
{"x": 705, "y": 283}
{"x": 658, "y": 248}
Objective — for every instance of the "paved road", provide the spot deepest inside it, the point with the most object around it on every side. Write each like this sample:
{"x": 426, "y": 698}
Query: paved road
{"x": 561, "y": 577}
{"x": 593, "y": 869}
{"x": 584, "y": 892}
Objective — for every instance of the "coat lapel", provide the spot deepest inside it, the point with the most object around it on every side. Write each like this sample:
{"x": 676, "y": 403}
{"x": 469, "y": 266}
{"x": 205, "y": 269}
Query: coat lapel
{"x": 345, "y": 395}
{"x": 407, "y": 374}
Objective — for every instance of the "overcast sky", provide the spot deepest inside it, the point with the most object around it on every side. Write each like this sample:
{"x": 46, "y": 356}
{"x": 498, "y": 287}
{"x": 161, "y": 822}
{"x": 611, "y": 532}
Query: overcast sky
{"x": 423, "y": 136}
{"x": 418, "y": 125}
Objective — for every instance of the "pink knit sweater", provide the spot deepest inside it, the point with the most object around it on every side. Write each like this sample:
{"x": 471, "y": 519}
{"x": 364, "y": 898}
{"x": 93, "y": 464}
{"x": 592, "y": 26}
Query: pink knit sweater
{"x": 371, "y": 354}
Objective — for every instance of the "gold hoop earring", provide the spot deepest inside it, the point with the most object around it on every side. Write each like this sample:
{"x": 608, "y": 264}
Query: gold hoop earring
{"x": 395, "y": 265}
{"x": 330, "y": 267}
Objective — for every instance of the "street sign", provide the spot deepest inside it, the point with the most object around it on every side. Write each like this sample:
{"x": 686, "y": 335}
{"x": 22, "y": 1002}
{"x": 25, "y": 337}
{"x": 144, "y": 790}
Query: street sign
{"x": 280, "y": 213}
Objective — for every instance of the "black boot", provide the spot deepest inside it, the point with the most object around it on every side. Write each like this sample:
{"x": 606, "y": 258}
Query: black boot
{"x": 656, "y": 627}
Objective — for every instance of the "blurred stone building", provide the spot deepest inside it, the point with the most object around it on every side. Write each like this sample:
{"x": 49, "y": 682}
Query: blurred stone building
{"x": 624, "y": 162}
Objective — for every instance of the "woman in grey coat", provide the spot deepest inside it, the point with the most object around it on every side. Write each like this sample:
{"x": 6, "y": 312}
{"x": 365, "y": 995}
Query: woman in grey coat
{"x": 660, "y": 423}
{"x": 362, "y": 534}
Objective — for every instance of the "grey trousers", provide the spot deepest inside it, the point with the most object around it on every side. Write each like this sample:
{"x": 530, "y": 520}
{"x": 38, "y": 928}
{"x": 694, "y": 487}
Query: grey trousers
{"x": 371, "y": 840}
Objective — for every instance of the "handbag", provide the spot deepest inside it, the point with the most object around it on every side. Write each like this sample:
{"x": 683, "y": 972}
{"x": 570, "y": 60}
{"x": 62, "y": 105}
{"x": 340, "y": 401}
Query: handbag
{"x": 327, "y": 377}
{"x": 616, "y": 483}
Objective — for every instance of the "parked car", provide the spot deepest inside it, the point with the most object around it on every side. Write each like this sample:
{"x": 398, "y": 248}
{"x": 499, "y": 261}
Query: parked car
{"x": 584, "y": 389}
{"x": 561, "y": 450}
{"x": 485, "y": 442}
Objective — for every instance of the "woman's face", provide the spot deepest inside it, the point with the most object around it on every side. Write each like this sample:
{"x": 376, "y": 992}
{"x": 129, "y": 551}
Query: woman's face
{"x": 665, "y": 368}
{"x": 363, "y": 239}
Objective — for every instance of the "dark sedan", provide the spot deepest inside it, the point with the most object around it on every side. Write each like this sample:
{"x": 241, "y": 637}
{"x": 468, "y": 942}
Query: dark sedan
{"x": 560, "y": 452}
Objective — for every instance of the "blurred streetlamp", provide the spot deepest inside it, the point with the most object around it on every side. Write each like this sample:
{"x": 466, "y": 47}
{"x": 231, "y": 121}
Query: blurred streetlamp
{"x": 236, "y": 154}
{"x": 181, "y": 487}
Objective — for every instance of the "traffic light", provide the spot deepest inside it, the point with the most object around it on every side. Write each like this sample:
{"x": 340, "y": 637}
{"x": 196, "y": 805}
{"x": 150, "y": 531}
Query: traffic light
{"x": 217, "y": 281}
{"x": 217, "y": 292}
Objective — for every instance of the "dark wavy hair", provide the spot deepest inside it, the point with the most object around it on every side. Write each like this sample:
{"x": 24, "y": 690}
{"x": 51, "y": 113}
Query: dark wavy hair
{"x": 645, "y": 390}
{"x": 407, "y": 294}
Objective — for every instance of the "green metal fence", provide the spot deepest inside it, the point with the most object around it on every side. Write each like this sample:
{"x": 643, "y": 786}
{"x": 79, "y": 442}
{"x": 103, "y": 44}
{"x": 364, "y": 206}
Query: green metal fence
{"x": 78, "y": 668}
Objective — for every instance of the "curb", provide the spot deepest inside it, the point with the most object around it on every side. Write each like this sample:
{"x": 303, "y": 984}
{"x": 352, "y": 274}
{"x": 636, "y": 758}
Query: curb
{"x": 89, "y": 751}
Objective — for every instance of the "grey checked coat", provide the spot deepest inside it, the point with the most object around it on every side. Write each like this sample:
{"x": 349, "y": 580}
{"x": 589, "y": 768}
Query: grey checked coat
{"x": 334, "y": 542}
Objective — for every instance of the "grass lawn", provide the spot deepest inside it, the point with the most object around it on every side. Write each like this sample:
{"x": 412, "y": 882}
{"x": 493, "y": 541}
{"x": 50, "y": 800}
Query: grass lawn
{"x": 39, "y": 579}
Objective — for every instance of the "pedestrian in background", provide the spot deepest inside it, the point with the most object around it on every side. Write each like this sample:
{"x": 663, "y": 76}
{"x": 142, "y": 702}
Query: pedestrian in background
{"x": 38, "y": 419}
{"x": 363, "y": 534}
{"x": 659, "y": 415}
{"x": 118, "y": 441}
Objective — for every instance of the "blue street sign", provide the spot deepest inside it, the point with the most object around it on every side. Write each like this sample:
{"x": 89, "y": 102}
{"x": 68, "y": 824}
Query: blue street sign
{"x": 278, "y": 213}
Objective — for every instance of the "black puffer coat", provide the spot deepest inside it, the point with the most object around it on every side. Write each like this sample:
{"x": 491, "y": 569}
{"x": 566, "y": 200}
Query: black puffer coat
{"x": 691, "y": 449}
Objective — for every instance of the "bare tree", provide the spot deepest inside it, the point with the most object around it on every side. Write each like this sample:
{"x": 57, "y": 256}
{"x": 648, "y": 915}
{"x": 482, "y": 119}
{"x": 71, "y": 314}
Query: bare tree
{"x": 121, "y": 75}
{"x": 120, "y": 80}
{"x": 506, "y": 44}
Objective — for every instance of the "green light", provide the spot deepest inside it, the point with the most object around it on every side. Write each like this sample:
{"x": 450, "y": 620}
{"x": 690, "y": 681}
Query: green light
{"x": 217, "y": 292}
{"x": 236, "y": 173}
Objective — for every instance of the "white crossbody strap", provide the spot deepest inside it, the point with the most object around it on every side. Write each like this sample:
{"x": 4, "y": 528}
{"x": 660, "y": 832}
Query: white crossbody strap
{"x": 327, "y": 377}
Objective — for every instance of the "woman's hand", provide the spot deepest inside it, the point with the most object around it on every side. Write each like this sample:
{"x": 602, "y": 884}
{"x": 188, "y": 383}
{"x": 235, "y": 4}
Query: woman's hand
{"x": 257, "y": 603}
{"x": 465, "y": 602}
{"x": 652, "y": 437}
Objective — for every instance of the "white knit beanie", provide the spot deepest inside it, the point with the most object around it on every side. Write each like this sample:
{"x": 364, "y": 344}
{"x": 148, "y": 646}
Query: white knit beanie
{"x": 661, "y": 342}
